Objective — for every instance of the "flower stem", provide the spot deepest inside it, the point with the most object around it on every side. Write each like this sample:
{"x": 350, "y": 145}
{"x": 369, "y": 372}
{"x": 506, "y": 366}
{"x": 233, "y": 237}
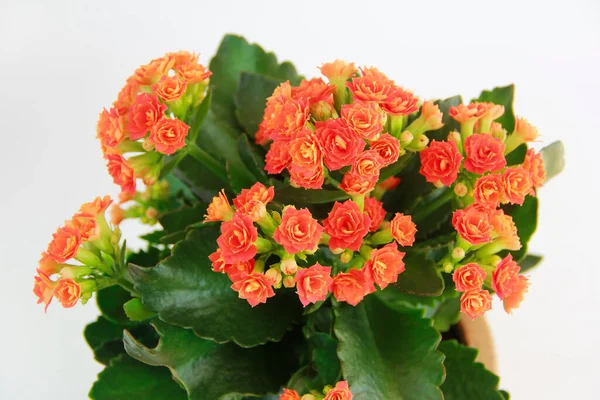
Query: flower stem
{"x": 208, "y": 161}
{"x": 424, "y": 212}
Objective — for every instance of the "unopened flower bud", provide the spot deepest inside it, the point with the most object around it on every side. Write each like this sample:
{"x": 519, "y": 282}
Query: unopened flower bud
{"x": 289, "y": 266}
{"x": 337, "y": 251}
{"x": 308, "y": 397}
{"x": 460, "y": 189}
{"x": 406, "y": 138}
{"x": 289, "y": 282}
{"x": 419, "y": 143}
{"x": 455, "y": 137}
{"x": 346, "y": 256}
{"x": 448, "y": 268}
{"x": 151, "y": 213}
{"x": 322, "y": 111}
{"x": 438, "y": 184}
{"x": 274, "y": 275}
{"x": 498, "y": 132}
{"x": 458, "y": 254}
{"x": 148, "y": 145}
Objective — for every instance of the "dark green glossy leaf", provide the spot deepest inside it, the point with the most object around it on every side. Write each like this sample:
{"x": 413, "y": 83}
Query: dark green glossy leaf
{"x": 250, "y": 99}
{"x": 178, "y": 220}
{"x": 292, "y": 195}
{"x": 208, "y": 370}
{"x": 421, "y": 277}
{"x": 253, "y": 158}
{"x": 529, "y": 262}
{"x": 396, "y": 167}
{"x": 525, "y": 218}
{"x": 517, "y": 156}
{"x": 447, "y": 314}
{"x": 184, "y": 291}
{"x": 128, "y": 379}
{"x": 105, "y": 339}
{"x": 110, "y": 302}
{"x": 199, "y": 179}
{"x": 554, "y": 159}
{"x": 412, "y": 188}
{"x": 465, "y": 378}
{"x": 388, "y": 354}
{"x": 136, "y": 311}
{"x": 503, "y": 96}
{"x": 198, "y": 115}
{"x": 145, "y": 258}
{"x": 324, "y": 359}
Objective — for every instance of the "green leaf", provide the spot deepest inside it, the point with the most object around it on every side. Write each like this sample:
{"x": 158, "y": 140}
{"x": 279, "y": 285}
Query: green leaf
{"x": 517, "y": 156}
{"x": 105, "y": 339}
{"x": 208, "y": 370}
{"x": 396, "y": 167}
{"x": 421, "y": 277}
{"x": 324, "y": 359}
{"x": 177, "y": 220}
{"x": 503, "y": 96}
{"x": 388, "y": 354}
{"x": 147, "y": 258}
{"x": 554, "y": 159}
{"x": 235, "y": 55}
{"x": 465, "y": 378}
{"x": 253, "y": 158}
{"x": 292, "y": 195}
{"x": 525, "y": 218}
{"x": 198, "y": 116}
{"x": 128, "y": 379}
{"x": 184, "y": 291}
{"x": 110, "y": 302}
{"x": 136, "y": 311}
{"x": 529, "y": 262}
{"x": 447, "y": 314}
{"x": 251, "y": 97}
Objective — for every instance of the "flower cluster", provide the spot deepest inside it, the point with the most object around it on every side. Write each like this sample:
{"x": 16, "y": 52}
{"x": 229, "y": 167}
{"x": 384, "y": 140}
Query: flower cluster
{"x": 147, "y": 118}
{"x": 143, "y": 205}
{"x": 341, "y": 391}
{"x": 88, "y": 239}
{"x": 318, "y": 128}
{"x": 473, "y": 163}
{"x": 286, "y": 251}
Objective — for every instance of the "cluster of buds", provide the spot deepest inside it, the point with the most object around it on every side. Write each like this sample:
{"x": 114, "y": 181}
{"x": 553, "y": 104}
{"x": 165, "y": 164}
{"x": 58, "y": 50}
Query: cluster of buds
{"x": 473, "y": 163}
{"x": 355, "y": 124}
{"x": 341, "y": 391}
{"x": 143, "y": 205}
{"x": 87, "y": 239}
{"x": 286, "y": 241}
{"x": 147, "y": 118}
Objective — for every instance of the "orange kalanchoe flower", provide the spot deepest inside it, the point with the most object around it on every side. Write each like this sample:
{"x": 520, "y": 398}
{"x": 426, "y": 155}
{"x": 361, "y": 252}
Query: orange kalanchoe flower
{"x": 170, "y": 88}
{"x": 219, "y": 209}
{"x": 67, "y": 292}
{"x": 473, "y": 223}
{"x": 358, "y": 185}
{"x": 534, "y": 164}
{"x": 168, "y": 135}
{"x": 468, "y": 277}
{"x": 289, "y": 394}
{"x": 217, "y": 261}
{"x": 111, "y": 128}
{"x": 313, "y": 283}
{"x": 351, "y": 286}
{"x": 400, "y": 102}
{"x": 47, "y": 265}
{"x": 192, "y": 72}
{"x": 237, "y": 239}
{"x": 365, "y": 119}
{"x": 517, "y": 184}
{"x": 388, "y": 148}
{"x": 65, "y": 244}
{"x": 505, "y": 231}
{"x": 347, "y": 226}
{"x": 339, "y": 392}
{"x": 374, "y": 209}
{"x": 440, "y": 162}
{"x": 403, "y": 229}
{"x": 370, "y": 88}
{"x": 525, "y": 131}
{"x": 315, "y": 90}
{"x": 385, "y": 265}
{"x": 117, "y": 215}
{"x": 390, "y": 183}
{"x": 338, "y": 71}
{"x": 475, "y": 302}
{"x": 96, "y": 206}
{"x": 307, "y": 178}
{"x": 489, "y": 190}
{"x": 44, "y": 288}
{"x": 121, "y": 172}
{"x": 298, "y": 230}
{"x": 255, "y": 288}
{"x": 514, "y": 299}
{"x": 252, "y": 202}
{"x": 368, "y": 164}
{"x": 340, "y": 144}
{"x": 505, "y": 277}
{"x": 305, "y": 150}
{"x": 144, "y": 114}
{"x": 484, "y": 154}
{"x": 150, "y": 73}
{"x": 431, "y": 116}
{"x": 85, "y": 224}
{"x": 284, "y": 116}
{"x": 278, "y": 157}
{"x": 465, "y": 113}
{"x": 126, "y": 96}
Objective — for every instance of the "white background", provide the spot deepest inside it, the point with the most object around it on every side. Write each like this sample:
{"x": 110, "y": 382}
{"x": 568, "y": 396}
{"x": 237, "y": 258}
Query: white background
{"x": 62, "y": 61}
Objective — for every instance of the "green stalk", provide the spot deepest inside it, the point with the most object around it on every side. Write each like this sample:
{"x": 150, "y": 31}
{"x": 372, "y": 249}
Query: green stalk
{"x": 208, "y": 161}
{"x": 424, "y": 212}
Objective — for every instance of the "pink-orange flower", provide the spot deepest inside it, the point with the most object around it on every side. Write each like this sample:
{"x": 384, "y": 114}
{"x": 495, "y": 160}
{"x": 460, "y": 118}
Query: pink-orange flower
{"x": 235, "y": 271}
{"x": 278, "y": 157}
{"x": 431, "y": 116}
{"x": 64, "y": 245}
{"x": 514, "y": 299}
{"x": 338, "y": 71}
{"x": 217, "y": 261}
{"x": 151, "y": 72}
{"x": 505, "y": 231}
{"x": 307, "y": 178}
{"x": 219, "y": 208}
{"x": 313, "y": 283}
{"x": 484, "y": 153}
{"x": 168, "y": 135}
{"x": 252, "y": 202}
{"x": 192, "y": 73}
{"x": 534, "y": 164}
{"x": 47, "y": 265}
{"x": 388, "y": 148}
{"x": 111, "y": 128}
{"x": 358, "y": 185}
{"x": 403, "y": 229}
{"x": 400, "y": 102}
{"x": 255, "y": 288}
{"x": 505, "y": 277}
{"x": 339, "y": 392}
{"x": 340, "y": 144}
{"x": 475, "y": 302}
{"x": 374, "y": 209}
{"x": 351, "y": 286}
{"x": 525, "y": 131}
{"x": 85, "y": 224}
{"x": 96, "y": 206}
{"x": 385, "y": 265}
{"x": 305, "y": 150}
{"x": 390, "y": 183}
{"x": 468, "y": 277}
{"x": 67, "y": 292}
{"x": 517, "y": 184}
{"x": 346, "y": 225}
{"x": 440, "y": 162}
{"x": 170, "y": 88}
{"x": 298, "y": 230}
{"x": 489, "y": 190}
{"x": 370, "y": 88}
{"x": 314, "y": 90}
{"x": 237, "y": 239}
{"x": 121, "y": 172}
{"x": 289, "y": 394}
{"x": 126, "y": 96}
{"x": 368, "y": 163}
{"x": 144, "y": 114}
{"x": 463, "y": 113}
{"x": 365, "y": 119}
{"x": 474, "y": 223}
{"x": 43, "y": 288}
{"x": 284, "y": 116}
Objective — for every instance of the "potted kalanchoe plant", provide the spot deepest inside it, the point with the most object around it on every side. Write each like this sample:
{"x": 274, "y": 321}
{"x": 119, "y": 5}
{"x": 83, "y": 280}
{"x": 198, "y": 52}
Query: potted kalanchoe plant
{"x": 318, "y": 238}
